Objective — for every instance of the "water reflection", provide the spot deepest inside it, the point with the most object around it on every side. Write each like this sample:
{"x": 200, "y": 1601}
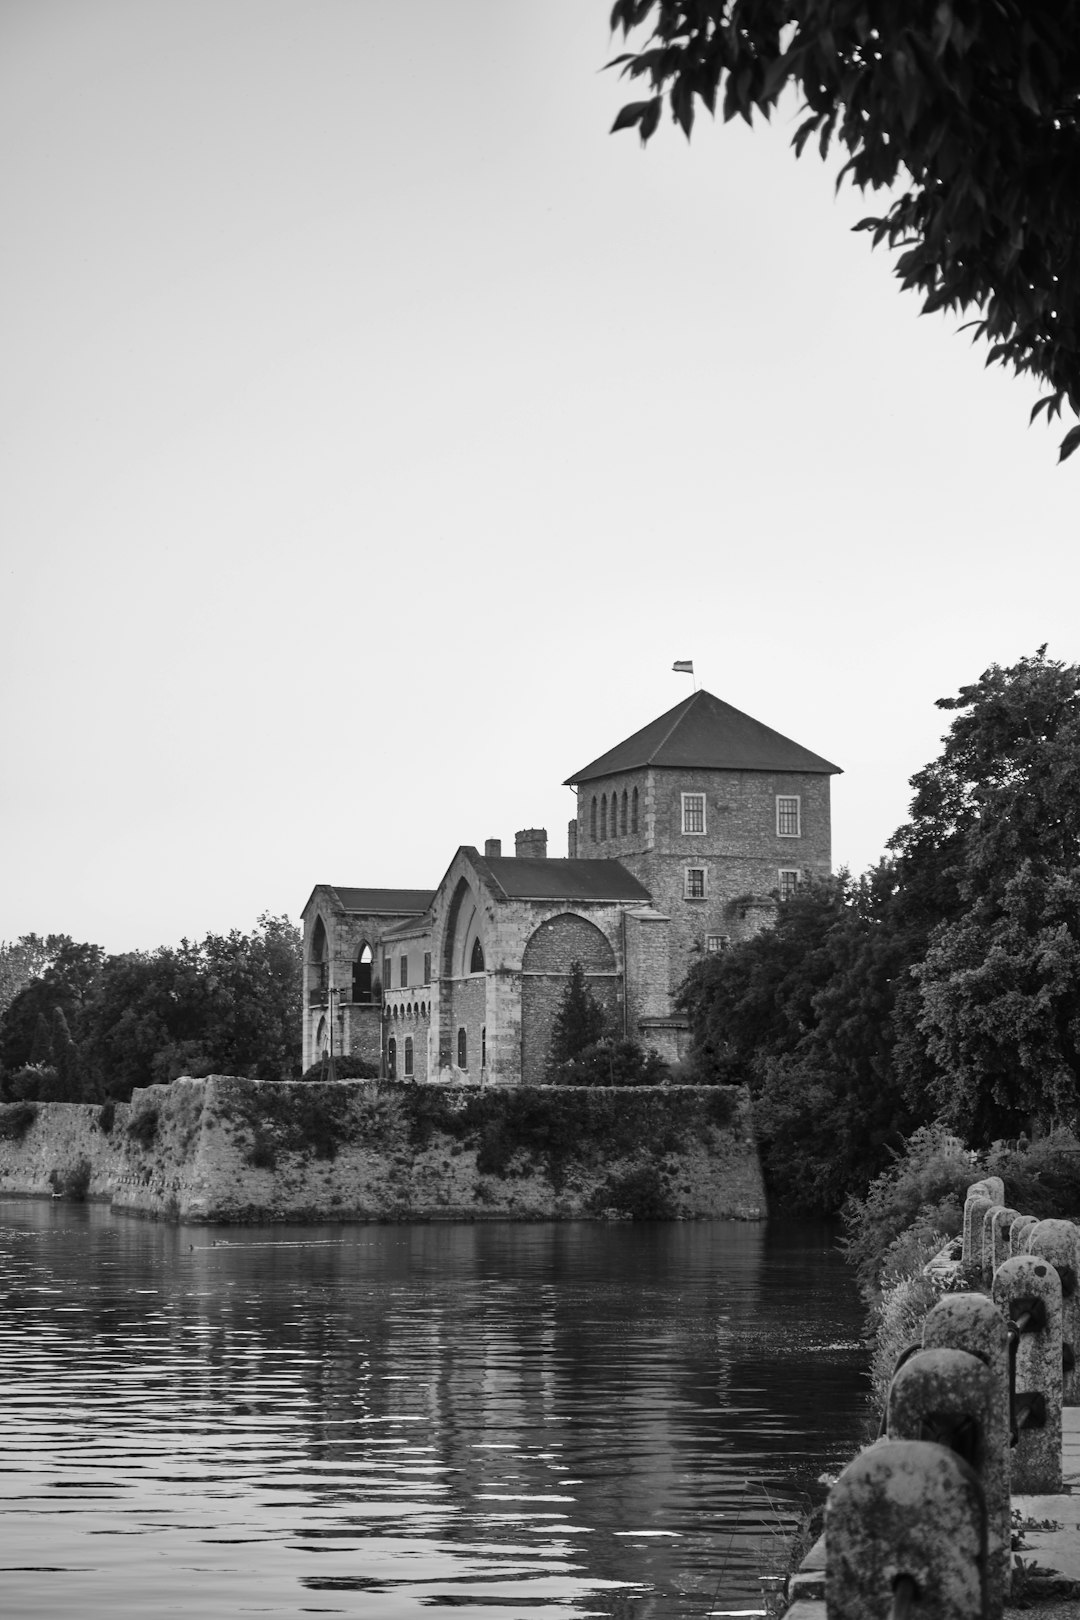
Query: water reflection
{"x": 500, "y": 1419}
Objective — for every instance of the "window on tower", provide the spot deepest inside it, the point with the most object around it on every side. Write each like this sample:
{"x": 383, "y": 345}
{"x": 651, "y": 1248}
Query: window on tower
{"x": 787, "y": 815}
{"x": 694, "y": 883}
{"x": 693, "y": 812}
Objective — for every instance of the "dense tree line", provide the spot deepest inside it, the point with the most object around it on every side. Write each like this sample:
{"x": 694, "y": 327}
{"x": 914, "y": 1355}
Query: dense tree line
{"x": 82, "y": 1026}
{"x": 944, "y": 984}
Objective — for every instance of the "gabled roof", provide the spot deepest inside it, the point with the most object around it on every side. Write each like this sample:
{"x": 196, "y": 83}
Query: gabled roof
{"x": 524, "y": 879}
{"x": 385, "y": 902}
{"x": 702, "y": 732}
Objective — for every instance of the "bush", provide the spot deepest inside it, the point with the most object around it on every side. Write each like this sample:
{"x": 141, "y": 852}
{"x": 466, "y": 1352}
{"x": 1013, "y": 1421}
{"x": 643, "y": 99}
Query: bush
{"x": 611, "y": 1063}
{"x": 142, "y": 1128}
{"x": 106, "y": 1117}
{"x": 36, "y": 1082}
{"x": 640, "y": 1193}
{"x": 1044, "y": 1179}
{"x": 925, "y": 1187}
{"x": 345, "y": 1068}
{"x": 16, "y": 1119}
{"x": 73, "y": 1183}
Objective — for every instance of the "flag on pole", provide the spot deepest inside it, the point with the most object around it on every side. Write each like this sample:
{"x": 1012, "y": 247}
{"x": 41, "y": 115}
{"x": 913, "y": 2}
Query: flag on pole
{"x": 683, "y": 666}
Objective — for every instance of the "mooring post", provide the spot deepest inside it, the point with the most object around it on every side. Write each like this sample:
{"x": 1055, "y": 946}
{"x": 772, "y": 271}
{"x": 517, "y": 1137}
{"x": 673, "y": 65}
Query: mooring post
{"x": 989, "y": 1259}
{"x": 905, "y": 1532}
{"x": 1027, "y": 1290}
{"x": 1021, "y": 1231}
{"x": 973, "y": 1323}
{"x": 1059, "y": 1242}
{"x": 1002, "y": 1225}
{"x": 975, "y": 1208}
{"x": 953, "y": 1398}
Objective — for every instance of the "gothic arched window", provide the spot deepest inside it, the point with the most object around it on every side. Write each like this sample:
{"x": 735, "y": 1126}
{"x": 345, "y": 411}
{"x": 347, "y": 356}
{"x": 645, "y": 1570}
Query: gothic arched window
{"x": 476, "y": 960}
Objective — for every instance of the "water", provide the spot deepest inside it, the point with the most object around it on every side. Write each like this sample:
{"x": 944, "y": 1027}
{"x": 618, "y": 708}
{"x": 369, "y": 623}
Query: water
{"x": 502, "y": 1420}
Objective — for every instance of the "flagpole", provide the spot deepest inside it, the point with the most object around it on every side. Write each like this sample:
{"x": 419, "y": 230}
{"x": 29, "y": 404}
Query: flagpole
{"x": 685, "y": 666}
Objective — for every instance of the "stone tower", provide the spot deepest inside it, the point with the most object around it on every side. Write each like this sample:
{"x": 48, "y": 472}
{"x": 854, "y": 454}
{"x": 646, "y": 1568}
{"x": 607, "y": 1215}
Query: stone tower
{"x": 715, "y": 813}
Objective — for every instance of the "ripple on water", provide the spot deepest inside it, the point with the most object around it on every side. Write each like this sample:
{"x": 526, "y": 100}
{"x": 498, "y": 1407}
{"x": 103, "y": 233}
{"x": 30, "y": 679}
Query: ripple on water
{"x": 499, "y": 1420}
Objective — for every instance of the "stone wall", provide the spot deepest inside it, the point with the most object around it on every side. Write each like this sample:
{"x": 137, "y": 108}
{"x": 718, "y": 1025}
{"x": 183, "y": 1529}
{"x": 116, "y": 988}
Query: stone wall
{"x": 229, "y": 1150}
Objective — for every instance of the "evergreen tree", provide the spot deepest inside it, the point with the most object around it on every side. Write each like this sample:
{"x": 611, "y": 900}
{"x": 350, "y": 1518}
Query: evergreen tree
{"x": 579, "y": 1022}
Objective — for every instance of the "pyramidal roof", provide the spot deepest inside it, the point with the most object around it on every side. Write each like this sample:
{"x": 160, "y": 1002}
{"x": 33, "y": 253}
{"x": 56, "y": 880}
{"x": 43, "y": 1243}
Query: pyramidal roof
{"x": 702, "y": 732}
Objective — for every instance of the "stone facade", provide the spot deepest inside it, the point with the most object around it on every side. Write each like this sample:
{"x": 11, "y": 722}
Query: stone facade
{"x": 686, "y": 838}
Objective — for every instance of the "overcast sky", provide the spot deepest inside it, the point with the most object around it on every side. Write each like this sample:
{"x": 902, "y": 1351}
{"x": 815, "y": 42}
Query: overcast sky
{"x": 377, "y": 430}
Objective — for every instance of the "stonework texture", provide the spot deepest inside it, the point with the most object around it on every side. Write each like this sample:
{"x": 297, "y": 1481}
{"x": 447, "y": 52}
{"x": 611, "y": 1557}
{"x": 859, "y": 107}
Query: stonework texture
{"x": 225, "y": 1150}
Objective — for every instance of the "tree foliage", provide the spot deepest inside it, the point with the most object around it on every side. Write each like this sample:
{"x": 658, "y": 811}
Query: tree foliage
{"x": 945, "y": 984}
{"x": 579, "y": 1022}
{"x": 968, "y": 113}
{"x": 97, "y": 1026}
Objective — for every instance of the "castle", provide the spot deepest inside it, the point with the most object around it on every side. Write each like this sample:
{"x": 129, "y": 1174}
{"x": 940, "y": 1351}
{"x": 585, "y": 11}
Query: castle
{"x": 687, "y": 835}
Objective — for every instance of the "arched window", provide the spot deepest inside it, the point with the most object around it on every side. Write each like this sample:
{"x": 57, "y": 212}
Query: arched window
{"x": 476, "y": 960}
{"x": 592, "y": 819}
{"x": 603, "y": 818}
{"x": 622, "y": 818}
{"x": 462, "y": 1048}
{"x": 408, "y": 1055}
{"x": 391, "y": 1059}
{"x": 361, "y": 974}
{"x": 633, "y": 812}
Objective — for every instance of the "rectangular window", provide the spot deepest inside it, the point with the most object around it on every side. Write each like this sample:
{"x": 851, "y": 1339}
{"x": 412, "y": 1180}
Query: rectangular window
{"x": 427, "y": 967}
{"x": 695, "y": 883}
{"x": 787, "y": 815}
{"x": 693, "y": 812}
{"x": 789, "y": 881}
{"x": 403, "y": 971}
{"x": 714, "y": 942}
{"x": 408, "y": 1054}
{"x": 387, "y": 973}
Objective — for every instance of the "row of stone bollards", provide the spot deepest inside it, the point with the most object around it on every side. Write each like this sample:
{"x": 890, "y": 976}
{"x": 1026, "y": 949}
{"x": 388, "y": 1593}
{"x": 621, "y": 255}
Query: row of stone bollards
{"x": 920, "y": 1523}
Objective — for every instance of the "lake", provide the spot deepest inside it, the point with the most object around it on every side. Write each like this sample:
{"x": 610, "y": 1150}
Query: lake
{"x": 496, "y": 1419}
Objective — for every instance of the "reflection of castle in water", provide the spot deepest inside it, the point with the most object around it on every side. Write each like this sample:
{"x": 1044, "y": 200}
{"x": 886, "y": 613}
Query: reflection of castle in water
{"x": 514, "y": 1392}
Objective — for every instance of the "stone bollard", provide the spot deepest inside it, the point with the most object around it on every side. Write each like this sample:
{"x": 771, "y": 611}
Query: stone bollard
{"x": 989, "y": 1261}
{"x": 904, "y": 1523}
{"x": 1001, "y": 1230}
{"x": 1021, "y": 1231}
{"x": 975, "y": 1210}
{"x": 1059, "y": 1242}
{"x": 1027, "y": 1290}
{"x": 973, "y": 1323}
{"x": 954, "y": 1398}
{"x": 990, "y": 1187}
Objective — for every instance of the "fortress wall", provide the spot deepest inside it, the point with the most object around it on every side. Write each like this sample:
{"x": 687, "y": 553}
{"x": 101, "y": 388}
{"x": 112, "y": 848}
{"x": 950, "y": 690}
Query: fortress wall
{"x": 224, "y": 1149}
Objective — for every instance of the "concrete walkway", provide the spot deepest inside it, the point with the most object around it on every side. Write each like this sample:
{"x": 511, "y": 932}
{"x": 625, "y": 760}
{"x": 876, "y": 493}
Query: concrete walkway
{"x": 1057, "y": 1549}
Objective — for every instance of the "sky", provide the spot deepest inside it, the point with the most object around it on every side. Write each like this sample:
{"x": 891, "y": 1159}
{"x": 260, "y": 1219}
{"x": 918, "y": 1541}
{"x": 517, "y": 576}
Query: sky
{"x": 376, "y": 430}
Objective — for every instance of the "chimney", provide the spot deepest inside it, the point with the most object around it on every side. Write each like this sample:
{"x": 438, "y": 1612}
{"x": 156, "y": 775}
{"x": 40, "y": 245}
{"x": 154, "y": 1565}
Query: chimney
{"x": 492, "y": 848}
{"x": 531, "y": 844}
{"x": 571, "y": 839}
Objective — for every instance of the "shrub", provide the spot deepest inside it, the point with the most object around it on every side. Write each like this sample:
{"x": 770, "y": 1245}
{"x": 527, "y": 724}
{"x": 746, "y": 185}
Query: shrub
{"x": 16, "y": 1119}
{"x": 899, "y": 1318}
{"x": 106, "y": 1118}
{"x": 611, "y": 1063}
{"x": 1043, "y": 1179}
{"x": 74, "y": 1183}
{"x": 640, "y": 1193}
{"x": 262, "y": 1154}
{"x": 345, "y": 1068}
{"x": 142, "y": 1128}
{"x": 36, "y": 1082}
{"x": 925, "y": 1185}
